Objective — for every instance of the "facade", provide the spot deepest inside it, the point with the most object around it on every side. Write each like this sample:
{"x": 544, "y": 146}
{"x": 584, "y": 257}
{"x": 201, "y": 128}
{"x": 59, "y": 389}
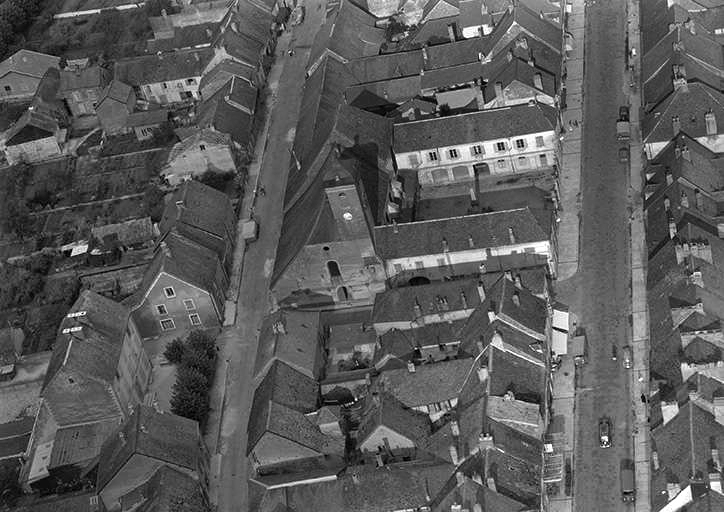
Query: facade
{"x": 148, "y": 442}
{"x": 206, "y": 150}
{"x": 98, "y": 372}
{"x": 82, "y": 89}
{"x": 35, "y": 137}
{"x": 166, "y": 78}
{"x": 472, "y": 239}
{"x": 507, "y": 140}
{"x": 20, "y": 74}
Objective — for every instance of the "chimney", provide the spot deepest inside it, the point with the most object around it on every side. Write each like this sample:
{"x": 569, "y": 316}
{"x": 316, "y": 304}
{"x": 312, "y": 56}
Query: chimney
{"x": 379, "y": 461}
{"x": 455, "y": 428}
{"x": 491, "y": 484}
{"x": 417, "y": 309}
{"x": 481, "y": 268}
{"x": 451, "y": 32}
{"x": 516, "y": 299}
{"x": 471, "y": 242}
{"x": 669, "y": 176}
{"x": 510, "y": 55}
{"x": 454, "y": 455}
{"x": 209, "y": 33}
{"x": 715, "y": 459}
{"x": 669, "y": 410}
{"x": 672, "y": 228}
{"x": 685, "y": 153}
{"x": 508, "y": 275}
{"x": 497, "y": 339}
{"x": 424, "y": 56}
{"x": 411, "y": 367}
{"x": 445, "y": 247}
{"x": 460, "y": 478}
{"x": 481, "y": 291}
{"x": 485, "y": 442}
{"x": 395, "y": 229}
{"x": 677, "y": 152}
{"x": 710, "y": 120}
{"x": 511, "y": 236}
{"x": 235, "y": 27}
{"x": 684, "y": 200}
{"x": 715, "y": 482}
{"x": 699, "y": 200}
{"x": 523, "y": 42}
{"x": 482, "y": 371}
{"x": 491, "y": 313}
{"x": 163, "y": 13}
{"x": 538, "y": 81}
{"x": 122, "y": 437}
{"x": 518, "y": 282}
{"x": 655, "y": 460}
{"x": 463, "y": 299}
{"x": 676, "y": 124}
{"x": 531, "y": 59}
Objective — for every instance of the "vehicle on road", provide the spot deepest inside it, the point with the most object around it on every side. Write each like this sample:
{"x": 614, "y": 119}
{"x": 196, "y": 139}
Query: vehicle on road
{"x": 623, "y": 155}
{"x": 623, "y": 127}
{"x": 604, "y": 433}
{"x": 250, "y": 230}
{"x": 628, "y": 482}
{"x": 627, "y": 357}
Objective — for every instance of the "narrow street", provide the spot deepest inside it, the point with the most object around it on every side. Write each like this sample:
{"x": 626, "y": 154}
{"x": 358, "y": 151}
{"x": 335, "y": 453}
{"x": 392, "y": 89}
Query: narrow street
{"x": 604, "y": 274}
{"x": 239, "y": 342}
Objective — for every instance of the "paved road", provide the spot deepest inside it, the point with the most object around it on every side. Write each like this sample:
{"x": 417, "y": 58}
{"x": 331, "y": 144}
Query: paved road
{"x": 240, "y": 341}
{"x": 604, "y": 272}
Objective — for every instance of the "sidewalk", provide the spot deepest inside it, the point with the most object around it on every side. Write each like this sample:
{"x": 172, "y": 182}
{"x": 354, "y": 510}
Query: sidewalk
{"x": 639, "y": 308}
{"x": 570, "y": 164}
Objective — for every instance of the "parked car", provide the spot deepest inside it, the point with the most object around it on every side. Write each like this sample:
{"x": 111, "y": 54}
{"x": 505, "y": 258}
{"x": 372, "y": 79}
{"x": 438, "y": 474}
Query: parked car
{"x": 623, "y": 113}
{"x": 627, "y": 357}
{"x": 628, "y": 481}
{"x": 623, "y": 155}
{"x": 604, "y": 433}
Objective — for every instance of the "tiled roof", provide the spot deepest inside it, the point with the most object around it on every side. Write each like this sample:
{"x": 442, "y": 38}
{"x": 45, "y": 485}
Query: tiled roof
{"x": 392, "y": 487}
{"x": 250, "y": 20}
{"x": 15, "y": 436}
{"x": 519, "y": 20}
{"x": 286, "y": 386}
{"x": 392, "y": 414}
{"x": 80, "y": 443}
{"x": 34, "y": 124}
{"x": 141, "y": 118}
{"x": 219, "y": 75}
{"x": 435, "y": 9}
{"x": 201, "y": 213}
{"x": 655, "y": 19}
{"x": 230, "y": 110}
{"x": 691, "y": 106}
{"x": 167, "y": 438}
{"x": 401, "y": 344}
{"x": 27, "y": 62}
{"x": 88, "y": 78}
{"x": 203, "y": 136}
{"x": 517, "y": 478}
{"x": 149, "y": 69}
{"x": 488, "y": 230}
{"x": 398, "y": 304}
{"x": 85, "y": 501}
{"x": 384, "y": 92}
{"x": 117, "y": 91}
{"x": 189, "y": 36}
{"x": 519, "y": 71}
{"x": 511, "y": 373}
{"x": 168, "y": 490}
{"x": 386, "y": 66}
{"x": 531, "y": 312}
{"x": 484, "y": 125}
{"x": 130, "y": 232}
{"x": 471, "y": 493}
{"x": 523, "y": 417}
{"x": 292, "y": 425}
{"x": 298, "y": 345}
{"x": 350, "y": 33}
{"x": 686, "y": 441}
{"x": 428, "y": 384}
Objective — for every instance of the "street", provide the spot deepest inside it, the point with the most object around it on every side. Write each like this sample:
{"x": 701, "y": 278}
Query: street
{"x": 239, "y": 342}
{"x": 604, "y": 273}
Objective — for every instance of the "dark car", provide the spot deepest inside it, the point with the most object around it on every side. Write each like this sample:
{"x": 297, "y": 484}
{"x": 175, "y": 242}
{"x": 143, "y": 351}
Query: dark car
{"x": 604, "y": 433}
{"x": 623, "y": 113}
{"x": 623, "y": 155}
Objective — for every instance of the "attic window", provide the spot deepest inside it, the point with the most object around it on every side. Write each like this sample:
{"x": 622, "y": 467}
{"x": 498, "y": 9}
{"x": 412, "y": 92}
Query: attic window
{"x": 169, "y": 292}
{"x": 202, "y": 147}
{"x": 8, "y": 88}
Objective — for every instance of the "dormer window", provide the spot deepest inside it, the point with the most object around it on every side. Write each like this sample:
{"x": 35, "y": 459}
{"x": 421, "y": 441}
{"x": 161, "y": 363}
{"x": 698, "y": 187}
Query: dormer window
{"x": 432, "y": 156}
{"x": 453, "y": 153}
{"x": 500, "y": 146}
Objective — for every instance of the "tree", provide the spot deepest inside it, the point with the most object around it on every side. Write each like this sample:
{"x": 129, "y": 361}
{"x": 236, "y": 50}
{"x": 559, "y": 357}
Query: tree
{"x": 153, "y": 202}
{"x": 175, "y": 351}
{"x": 202, "y": 344}
{"x": 10, "y": 489}
{"x": 192, "y": 380}
{"x": 194, "y": 406}
{"x": 192, "y": 359}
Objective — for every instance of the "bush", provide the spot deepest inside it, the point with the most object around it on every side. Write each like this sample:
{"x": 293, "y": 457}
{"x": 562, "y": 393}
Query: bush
{"x": 202, "y": 344}
{"x": 175, "y": 351}
{"x": 194, "y": 406}
{"x": 153, "y": 202}
{"x": 200, "y": 362}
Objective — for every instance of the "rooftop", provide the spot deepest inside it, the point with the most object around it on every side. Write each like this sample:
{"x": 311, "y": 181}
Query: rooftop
{"x": 27, "y": 62}
{"x": 150, "y": 69}
{"x": 293, "y": 337}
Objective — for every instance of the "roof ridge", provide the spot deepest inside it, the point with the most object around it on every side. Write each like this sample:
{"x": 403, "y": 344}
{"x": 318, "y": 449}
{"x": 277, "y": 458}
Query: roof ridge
{"x": 527, "y": 208}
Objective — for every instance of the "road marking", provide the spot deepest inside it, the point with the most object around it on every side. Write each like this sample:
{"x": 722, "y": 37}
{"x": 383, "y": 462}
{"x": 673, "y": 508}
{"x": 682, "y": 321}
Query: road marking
{"x": 268, "y": 267}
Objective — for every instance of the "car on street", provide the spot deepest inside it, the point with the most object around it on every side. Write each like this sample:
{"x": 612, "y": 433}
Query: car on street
{"x": 623, "y": 113}
{"x": 604, "y": 433}
{"x": 627, "y": 357}
{"x": 623, "y": 155}
{"x": 628, "y": 482}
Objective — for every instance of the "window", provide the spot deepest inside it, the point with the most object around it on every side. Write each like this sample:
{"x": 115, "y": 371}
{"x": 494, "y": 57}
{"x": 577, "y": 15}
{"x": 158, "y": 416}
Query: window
{"x": 161, "y": 309}
{"x": 333, "y": 269}
{"x": 454, "y": 153}
{"x": 441, "y": 262}
{"x": 191, "y": 81}
{"x": 189, "y": 304}
{"x": 543, "y": 159}
{"x": 164, "y": 85}
{"x": 461, "y": 172}
{"x": 8, "y": 88}
{"x": 500, "y": 164}
{"x": 539, "y": 141}
{"x": 419, "y": 265}
{"x": 520, "y": 143}
{"x": 202, "y": 147}
{"x": 440, "y": 176}
{"x": 522, "y": 161}
{"x": 167, "y": 324}
{"x": 500, "y": 146}
{"x": 195, "y": 319}
{"x": 477, "y": 150}
{"x": 432, "y": 156}
{"x": 169, "y": 292}
{"x": 179, "y": 85}
{"x": 398, "y": 268}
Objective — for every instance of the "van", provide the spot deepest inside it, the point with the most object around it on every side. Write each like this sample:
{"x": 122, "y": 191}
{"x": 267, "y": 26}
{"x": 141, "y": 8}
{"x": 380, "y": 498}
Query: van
{"x": 628, "y": 482}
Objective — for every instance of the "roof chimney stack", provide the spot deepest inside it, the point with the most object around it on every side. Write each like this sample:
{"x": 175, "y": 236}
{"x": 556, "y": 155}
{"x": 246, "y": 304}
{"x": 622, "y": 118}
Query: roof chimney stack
{"x": 676, "y": 124}
{"x": 710, "y": 119}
